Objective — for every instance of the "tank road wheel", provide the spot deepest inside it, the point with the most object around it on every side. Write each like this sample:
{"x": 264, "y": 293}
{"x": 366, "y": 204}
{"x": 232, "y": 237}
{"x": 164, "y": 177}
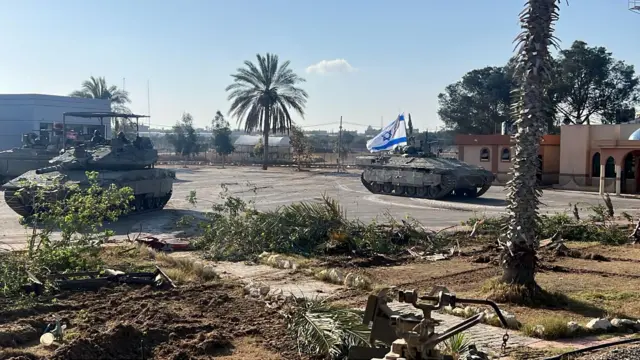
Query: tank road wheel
{"x": 399, "y": 190}
{"x": 410, "y": 191}
{"x": 433, "y": 191}
{"x": 376, "y": 187}
{"x": 138, "y": 204}
{"x": 149, "y": 203}
{"x": 387, "y": 188}
{"x": 421, "y": 191}
{"x": 472, "y": 192}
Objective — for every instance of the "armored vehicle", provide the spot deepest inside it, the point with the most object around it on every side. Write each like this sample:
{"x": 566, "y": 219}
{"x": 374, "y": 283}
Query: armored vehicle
{"x": 118, "y": 161}
{"x": 34, "y": 153}
{"x": 413, "y": 173}
{"x": 37, "y": 150}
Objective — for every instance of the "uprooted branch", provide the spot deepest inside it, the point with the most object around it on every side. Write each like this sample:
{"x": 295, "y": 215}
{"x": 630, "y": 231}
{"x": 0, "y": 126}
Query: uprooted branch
{"x": 238, "y": 231}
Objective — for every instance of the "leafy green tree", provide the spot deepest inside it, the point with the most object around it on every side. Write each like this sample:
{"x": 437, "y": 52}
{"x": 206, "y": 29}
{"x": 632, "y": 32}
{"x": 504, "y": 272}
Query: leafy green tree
{"x": 97, "y": 88}
{"x": 479, "y": 103}
{"x": 77, "y": 214}
{"x": 184, "y": 137}
{"x": 345, "y": 148}
{"x": 533, "y": 71}
{"x": 300, "y": 145}
{"x": 258, "y": 149}
{"x": 222, "y": 136}
{"x": 594, "y": 86}
{"x": 263, "y": 95}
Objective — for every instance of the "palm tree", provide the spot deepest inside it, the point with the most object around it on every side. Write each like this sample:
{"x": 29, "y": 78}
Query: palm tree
{"x": 263, "y": 95}
{"x": 97, "y": 88}
{"x": 534, "y": 65}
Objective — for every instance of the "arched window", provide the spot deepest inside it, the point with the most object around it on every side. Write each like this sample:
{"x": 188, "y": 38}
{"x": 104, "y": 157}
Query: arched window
{"x": 505, "y": 155}
{"x": 629, "y": 167}
{"x": 484, "y": 154}
{"x": 610, "y": 168}
{"x": 595, "y": 165}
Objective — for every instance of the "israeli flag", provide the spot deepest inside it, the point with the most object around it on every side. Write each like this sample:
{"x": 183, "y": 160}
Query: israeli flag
{"x": 393, "y": 135}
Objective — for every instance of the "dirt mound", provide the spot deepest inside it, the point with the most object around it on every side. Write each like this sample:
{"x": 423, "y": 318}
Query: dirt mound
{"x": 193, "y": 322}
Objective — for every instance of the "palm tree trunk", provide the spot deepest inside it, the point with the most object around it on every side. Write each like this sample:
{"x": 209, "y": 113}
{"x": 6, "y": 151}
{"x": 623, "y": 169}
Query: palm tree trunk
{"x": 265, "y": 154}
{"x": 519, "y": 254}
{"x": 224, "y": 157}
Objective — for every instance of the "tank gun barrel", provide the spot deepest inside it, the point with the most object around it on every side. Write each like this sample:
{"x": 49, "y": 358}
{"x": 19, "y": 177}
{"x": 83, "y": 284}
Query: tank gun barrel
{"x": 49, "y": 169}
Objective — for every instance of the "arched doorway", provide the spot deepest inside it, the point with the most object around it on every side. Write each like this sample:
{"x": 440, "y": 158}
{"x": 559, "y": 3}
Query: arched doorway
{"x": 595, "y": 165}
{"x": 630, "y": 177}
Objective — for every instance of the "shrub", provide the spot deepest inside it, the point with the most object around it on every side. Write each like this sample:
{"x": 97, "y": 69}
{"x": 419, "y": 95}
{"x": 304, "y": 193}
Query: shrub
{"x": 76, "y": 214}
{"x": 235, "y": 231}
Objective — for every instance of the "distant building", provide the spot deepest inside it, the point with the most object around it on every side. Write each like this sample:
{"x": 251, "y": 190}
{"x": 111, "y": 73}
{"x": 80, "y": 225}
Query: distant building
{"x": 279, "y": 146}
{"x": 494, "y": 152}
{"x": 24, "y": 113}
{"x": 603, "y": 158}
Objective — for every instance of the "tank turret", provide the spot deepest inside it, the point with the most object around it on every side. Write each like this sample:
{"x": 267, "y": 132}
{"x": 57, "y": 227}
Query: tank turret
{"x": 411, "y": 172}
{"x": 119, "y": 162}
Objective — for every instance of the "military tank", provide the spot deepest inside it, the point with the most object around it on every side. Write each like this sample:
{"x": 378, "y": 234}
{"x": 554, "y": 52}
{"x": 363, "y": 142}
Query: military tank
{"x": 34, "y": 153}
{"x": 118, "y": 161}
{"x": 412, "y": 173}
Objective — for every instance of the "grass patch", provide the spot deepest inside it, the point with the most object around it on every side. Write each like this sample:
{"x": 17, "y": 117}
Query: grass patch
{"x": 554, "y": 328}
{"x": 600, "y": 226}
{"x": 181, "y": 269}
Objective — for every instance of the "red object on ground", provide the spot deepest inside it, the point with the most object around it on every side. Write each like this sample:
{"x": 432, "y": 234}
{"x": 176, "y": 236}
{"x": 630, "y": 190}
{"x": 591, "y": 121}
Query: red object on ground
{"x": 164, "y": 245}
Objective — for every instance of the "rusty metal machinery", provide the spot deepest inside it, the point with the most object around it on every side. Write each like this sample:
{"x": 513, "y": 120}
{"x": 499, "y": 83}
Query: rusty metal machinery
{"x": 411, "y": 337}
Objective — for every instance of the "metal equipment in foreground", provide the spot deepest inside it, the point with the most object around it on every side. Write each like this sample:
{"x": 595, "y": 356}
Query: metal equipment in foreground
{"x": 96, "y": 280}
{"x": 411, "y": 337}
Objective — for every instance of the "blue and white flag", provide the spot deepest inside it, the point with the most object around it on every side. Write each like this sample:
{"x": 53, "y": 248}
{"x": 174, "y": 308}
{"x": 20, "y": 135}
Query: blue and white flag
{"x": 393, "y": 135}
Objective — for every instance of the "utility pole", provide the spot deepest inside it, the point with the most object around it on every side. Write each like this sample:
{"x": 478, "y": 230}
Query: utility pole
{"x": 149, "y": 105}
{"x": 340, "y": 145}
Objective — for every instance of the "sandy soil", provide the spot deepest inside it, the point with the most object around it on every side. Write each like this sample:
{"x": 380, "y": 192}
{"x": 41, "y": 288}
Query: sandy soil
{"x": 192, "y": 322}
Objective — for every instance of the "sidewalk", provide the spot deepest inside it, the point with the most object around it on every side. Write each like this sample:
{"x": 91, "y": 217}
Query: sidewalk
{"x": 595, "y": 193}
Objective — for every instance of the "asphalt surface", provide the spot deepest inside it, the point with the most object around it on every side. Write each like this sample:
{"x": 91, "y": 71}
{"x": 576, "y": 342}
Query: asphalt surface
{"x": 280, "y": 186}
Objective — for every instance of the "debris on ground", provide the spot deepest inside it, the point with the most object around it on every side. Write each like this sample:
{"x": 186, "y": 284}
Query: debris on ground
{"x": 191, "y": 322}
{"x": 163, "y": 244}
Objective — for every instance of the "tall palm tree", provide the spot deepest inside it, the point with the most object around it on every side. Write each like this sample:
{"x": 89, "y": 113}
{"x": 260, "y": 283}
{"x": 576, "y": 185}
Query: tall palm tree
{"x": 97, "y": 88}
{"x": 263, "y": 95}
{"x": 534, "y": 66}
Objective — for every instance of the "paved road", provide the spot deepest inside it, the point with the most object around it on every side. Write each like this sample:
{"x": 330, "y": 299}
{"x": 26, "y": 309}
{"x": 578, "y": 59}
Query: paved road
{"x": 281, "y": 186}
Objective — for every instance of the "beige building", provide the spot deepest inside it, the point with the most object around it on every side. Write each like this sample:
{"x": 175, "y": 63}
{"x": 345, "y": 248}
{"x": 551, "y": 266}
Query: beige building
{"x": 600, "y": 158}
{"x": 493, "y": 152}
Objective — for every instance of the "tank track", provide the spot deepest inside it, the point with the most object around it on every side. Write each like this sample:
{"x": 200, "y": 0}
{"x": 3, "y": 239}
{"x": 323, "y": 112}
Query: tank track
{"x": 140, "y": 206}
{"x": 428, "y": 192}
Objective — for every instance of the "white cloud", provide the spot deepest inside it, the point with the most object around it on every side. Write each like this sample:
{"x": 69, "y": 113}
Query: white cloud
{"x": 330, "y": 66}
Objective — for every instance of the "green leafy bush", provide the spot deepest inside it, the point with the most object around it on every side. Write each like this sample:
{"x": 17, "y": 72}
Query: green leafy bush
{"x": 66, "y": 231}
{"x": 237, "y": 231}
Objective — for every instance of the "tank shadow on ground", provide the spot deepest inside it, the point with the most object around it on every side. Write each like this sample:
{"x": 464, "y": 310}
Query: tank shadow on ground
{"x": 158, "y": 222}
{"x": 476, "y": 201}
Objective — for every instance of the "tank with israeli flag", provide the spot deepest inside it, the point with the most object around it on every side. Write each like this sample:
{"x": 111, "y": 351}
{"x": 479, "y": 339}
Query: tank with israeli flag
{"x": 391, "y": 136}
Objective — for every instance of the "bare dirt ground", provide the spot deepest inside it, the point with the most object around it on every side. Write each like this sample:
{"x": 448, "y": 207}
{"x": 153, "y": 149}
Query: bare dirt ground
{"x": 192, "y": 322}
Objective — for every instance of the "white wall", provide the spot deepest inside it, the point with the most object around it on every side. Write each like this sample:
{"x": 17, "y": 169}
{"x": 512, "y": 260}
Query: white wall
{"x": 23, "y": 113}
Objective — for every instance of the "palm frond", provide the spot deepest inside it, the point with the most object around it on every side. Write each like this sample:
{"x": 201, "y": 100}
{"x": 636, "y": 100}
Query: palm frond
{"x": 324, "y": 329}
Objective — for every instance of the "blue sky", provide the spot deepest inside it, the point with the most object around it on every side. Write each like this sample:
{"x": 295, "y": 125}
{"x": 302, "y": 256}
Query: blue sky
{"x": 402, "y": 53}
